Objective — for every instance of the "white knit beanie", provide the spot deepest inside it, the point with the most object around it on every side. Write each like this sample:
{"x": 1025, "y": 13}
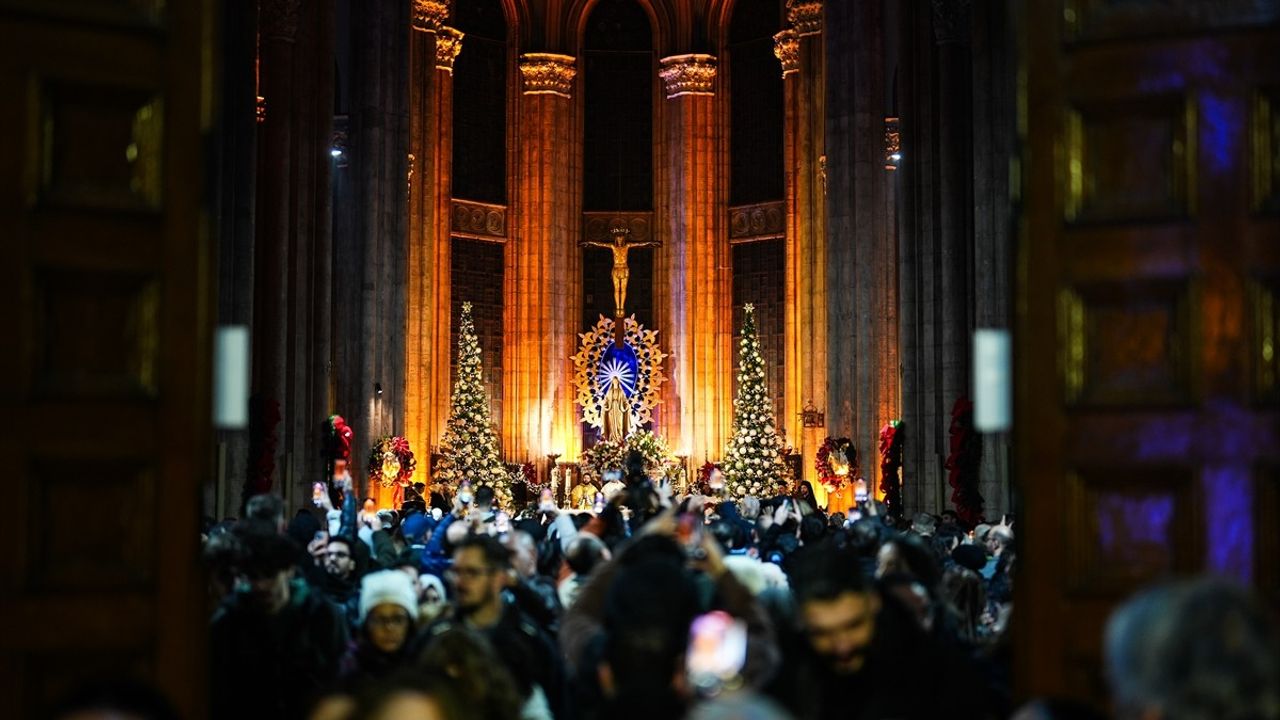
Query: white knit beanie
{"x": 388, "y": 586}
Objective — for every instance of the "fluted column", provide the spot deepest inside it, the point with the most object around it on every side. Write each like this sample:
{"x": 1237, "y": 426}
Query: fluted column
{"x": 543, "y": 267}
{"x": 372, "y": 270}
{"x": 432, "y": 49}
{"x": 799, "y": 49}
{"x": 278, "y": 20}
{"x": 952, "y": 32}
{"x": 862, "y": 321}
{"x": 692, "y": 283}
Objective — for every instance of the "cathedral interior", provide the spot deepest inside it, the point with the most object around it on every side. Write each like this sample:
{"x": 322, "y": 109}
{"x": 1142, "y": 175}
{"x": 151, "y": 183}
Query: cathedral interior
{"x": 874, "y": 182}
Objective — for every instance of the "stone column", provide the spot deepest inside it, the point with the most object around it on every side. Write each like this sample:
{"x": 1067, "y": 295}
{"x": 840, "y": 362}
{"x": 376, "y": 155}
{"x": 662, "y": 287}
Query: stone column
{"x": 278, "y": 20}
{"x": 994, "y": 130}
{"x": 951, "y": 26}
{"x": 233, "y": 221}
{"x": 543, "y": 266}
{"x": 862, "y": 322}
{"x": 799, "y": 48}
{"x": 692, "y": 266}
{"x": 310, "y": 250}
{"x": 433, "y": 47}
{"x": 371, "y": 350}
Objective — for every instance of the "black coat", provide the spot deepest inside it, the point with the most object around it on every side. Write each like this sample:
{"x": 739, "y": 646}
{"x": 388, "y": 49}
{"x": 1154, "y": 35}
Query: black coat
{"x": 274, "y": 666}
{"x": 907, "y": 676}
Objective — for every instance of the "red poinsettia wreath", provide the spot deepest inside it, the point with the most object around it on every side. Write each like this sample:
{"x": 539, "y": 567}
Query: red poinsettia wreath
{"x": 391, "y": 462}
{"x": 836, "y": 463}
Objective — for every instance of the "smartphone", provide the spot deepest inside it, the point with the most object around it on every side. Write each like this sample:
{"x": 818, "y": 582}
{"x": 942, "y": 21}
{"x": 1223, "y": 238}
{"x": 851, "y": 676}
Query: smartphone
{"x": 502, "y": 523}
{"x": 546, "y": 501}
{"x": 717, "y": 652}
{"x": 860, "y": 490}
{"x": 317, "y": 493}
{"x": 599, "y": 506}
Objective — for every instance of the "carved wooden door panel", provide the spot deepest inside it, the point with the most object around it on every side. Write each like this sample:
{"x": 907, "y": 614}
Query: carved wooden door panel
{"x": 104, "y": 374}
{"x": 1147, "y": 320}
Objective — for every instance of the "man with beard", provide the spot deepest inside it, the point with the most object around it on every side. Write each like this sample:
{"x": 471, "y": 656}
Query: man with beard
{"x": 859, "y": 654}
{"x": 481, "y": 571}
{"x": 341, "y": 581}
{"x": 274, "y": 644}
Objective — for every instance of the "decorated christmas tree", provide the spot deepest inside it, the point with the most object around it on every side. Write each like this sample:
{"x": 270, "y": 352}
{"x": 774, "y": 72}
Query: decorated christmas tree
{"x": 469, "y": 450}
{"x": 753, "y": 460}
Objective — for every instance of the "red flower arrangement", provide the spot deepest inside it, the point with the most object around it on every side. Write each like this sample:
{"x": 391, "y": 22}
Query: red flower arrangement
{"x": 391, "y": 462}
{"x": 529, "y": 476}
{"x": 704, "y": 477}
{"x": 337, "y": 439}
{"x": 962, "y": 464}
{"x": 890, "y": 463}
{"x": 836, "y": 463}
{"x": 265, "y": 414}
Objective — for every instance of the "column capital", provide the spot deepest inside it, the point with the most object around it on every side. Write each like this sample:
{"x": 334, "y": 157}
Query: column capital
{"x": 279, "y": 19}
{"x": 805, "y": 16}
{"x": 786, "y": 47}
{"x": 548, "y": 74}
{"x": 429, "y": 15}
{"x": 448, "y": 45}
{"x": 688, "y": 75}
{"x": 951, "y": 21}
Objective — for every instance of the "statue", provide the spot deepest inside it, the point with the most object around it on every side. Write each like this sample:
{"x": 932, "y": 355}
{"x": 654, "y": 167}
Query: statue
{"x": 620, "y": 247}
{"x": 617, "y": 413}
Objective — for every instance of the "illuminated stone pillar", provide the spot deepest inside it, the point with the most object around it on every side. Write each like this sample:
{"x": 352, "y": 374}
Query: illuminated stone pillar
{"x": 800, "y": 51}
{"x": 693, "y": 267}
{"x": 432, "y": 50}
{"x": 862, "y": 314}
{"x": 543, "y": 267}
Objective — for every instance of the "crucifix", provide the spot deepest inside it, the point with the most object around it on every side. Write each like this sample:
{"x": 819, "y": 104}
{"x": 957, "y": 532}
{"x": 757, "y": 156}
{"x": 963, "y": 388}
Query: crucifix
{"x": 619, "y": 246}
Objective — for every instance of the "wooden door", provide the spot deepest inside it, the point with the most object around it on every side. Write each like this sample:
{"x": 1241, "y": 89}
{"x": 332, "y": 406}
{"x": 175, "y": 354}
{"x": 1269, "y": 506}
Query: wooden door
{"x": 104, "y": 371}
{"x": 1149, "y": 259}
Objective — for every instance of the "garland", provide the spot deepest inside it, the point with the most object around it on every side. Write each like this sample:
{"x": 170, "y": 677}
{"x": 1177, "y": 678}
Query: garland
{"x": 391, "y": 462}
{"x": 605, "y": 456}
{"x": 890, "y": 461}
{"x": 836, "y": 462}
{"x": 962, "y": 464}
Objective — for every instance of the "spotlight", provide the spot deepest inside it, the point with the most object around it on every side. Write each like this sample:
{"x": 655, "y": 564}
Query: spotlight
{"x": 895, "y": 157}
{"x": 377, "y": 389}
{"x": 335, "y": 152}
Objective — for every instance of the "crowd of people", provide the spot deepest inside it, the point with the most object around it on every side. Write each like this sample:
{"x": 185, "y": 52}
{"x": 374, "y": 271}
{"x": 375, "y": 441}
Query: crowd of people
{"x": 649, "y": 606}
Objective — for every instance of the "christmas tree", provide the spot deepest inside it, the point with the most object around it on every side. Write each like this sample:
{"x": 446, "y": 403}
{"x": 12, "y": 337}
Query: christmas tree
{"x": 753, "y": 460}
{"x": 469, "y": 450}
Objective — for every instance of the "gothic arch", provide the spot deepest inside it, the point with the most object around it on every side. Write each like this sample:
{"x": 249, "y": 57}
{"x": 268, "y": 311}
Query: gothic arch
{"x": 664, "y": 19}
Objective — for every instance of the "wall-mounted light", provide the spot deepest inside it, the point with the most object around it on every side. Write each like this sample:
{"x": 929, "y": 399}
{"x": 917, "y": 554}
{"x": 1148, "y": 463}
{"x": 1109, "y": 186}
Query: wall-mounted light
{"x": 377, "y": 389}
{"x": 335, "y": 153}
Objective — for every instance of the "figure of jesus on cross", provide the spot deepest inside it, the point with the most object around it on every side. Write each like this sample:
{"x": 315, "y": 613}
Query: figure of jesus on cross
{"x": 620, "y": 246}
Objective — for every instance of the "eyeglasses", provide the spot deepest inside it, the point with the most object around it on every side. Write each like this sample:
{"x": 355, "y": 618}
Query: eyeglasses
{"x": 390, "y": 623}
{"x": 458, "y": 573}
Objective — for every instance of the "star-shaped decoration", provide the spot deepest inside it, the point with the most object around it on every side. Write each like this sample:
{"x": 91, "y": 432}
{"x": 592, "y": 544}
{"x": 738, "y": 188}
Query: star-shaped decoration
{"x": 466, "y": 307}
{"x": 749, "y": 307}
